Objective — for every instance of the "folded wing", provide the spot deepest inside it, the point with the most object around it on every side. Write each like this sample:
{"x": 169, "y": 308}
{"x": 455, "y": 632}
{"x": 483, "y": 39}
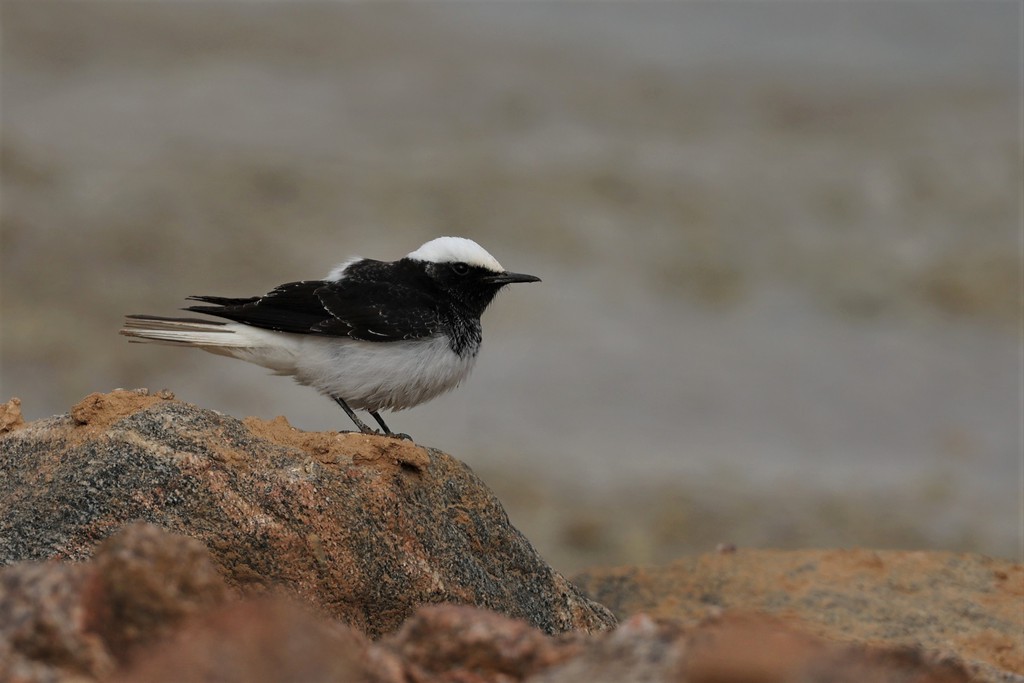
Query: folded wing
{"x": 370, "y": 311}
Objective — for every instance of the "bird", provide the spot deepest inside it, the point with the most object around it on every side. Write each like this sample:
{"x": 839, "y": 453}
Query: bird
{"x": 372, "y": 335}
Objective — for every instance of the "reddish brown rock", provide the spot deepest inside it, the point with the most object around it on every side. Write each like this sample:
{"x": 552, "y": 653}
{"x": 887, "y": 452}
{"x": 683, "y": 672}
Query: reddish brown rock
{"x": 44, "y": 634}
{"x": 487, "y": 646}
{"x": 739, "y": 648}
{"x": 99, "y": 410}
{"x": 10, "y": 415}
{"x": 147, "y": 582}
{"x": 639, "y": 650}
{"x": 62, "y": 621}
{"x": 373, "y": 530}
{"x": 967, "y": 606}
{"x": 150, "y": 608}
{"x": 364, "y": 527}
{"x": 264, "y": 641}
{"x": 753, "y": 648}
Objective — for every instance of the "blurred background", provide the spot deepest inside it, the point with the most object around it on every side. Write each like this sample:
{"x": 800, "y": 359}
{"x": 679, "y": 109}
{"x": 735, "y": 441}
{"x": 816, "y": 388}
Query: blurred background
{"x": 780, "y": 242}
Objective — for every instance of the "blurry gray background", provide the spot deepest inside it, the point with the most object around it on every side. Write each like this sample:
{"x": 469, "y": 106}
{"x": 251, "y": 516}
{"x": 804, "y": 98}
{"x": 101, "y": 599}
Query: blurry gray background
{"x": 779, "y": 241}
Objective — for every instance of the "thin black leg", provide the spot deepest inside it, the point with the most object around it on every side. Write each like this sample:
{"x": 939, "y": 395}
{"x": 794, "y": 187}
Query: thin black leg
{"x": 380, "y": 421}
{"x": 363, "y": 427}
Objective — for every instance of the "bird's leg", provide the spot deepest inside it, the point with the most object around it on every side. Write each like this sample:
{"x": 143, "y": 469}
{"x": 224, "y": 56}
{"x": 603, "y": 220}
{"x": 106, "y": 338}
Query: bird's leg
{"x": 388, "y": 432}
{"x": 380, "y": 421}
{"x": 363, "y": 427}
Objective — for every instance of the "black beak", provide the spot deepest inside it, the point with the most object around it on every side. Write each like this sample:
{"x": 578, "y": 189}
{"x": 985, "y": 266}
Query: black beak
{"x": 509, "y": 278}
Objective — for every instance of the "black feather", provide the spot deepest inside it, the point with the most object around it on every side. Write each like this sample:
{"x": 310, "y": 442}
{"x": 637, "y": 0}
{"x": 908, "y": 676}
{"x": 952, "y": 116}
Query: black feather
{"x": 378, "y": 311}
{"x": 368, "y": 304}
{"x": 223, "y": 300}
{"x": 166, "y": 319}
{"x": 291, "y": 307}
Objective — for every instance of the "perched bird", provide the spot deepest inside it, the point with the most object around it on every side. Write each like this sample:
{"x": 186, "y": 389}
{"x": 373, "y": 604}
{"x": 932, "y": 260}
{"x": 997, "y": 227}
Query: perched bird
{"x": 373, "y": 335}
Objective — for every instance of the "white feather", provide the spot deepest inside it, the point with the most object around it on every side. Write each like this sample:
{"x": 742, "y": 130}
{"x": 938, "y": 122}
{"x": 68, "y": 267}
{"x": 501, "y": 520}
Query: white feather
{"x": 182, "y": 332}
{"x": 377, "y": 376}
{"x": 338, "y": 271}
{"x": 454, "y": 249}
{"x": 274, "y": 350}
{"x": 368, "y": 375}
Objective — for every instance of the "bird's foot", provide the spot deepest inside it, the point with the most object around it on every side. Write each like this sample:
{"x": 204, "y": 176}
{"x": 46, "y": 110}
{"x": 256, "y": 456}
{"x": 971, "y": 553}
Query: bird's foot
{"x": 369, "y": 431}
{"x": 366, "y": 432}
{"x": 364, "y": 428}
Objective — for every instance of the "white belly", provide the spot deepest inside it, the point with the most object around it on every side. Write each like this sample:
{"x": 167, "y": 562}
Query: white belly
{"x": 367, "y": 375}
{"x": 381, "y": 375}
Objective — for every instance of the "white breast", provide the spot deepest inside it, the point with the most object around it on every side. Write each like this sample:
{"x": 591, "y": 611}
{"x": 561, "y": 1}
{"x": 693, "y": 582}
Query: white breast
{"x": 381, "y": 376}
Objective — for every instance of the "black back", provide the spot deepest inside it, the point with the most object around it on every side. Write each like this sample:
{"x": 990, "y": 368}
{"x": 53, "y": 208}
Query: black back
{"x": 374, "y": 301}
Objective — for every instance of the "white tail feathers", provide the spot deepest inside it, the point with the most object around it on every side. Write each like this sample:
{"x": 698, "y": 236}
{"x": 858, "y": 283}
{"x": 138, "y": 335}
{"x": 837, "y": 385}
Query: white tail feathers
{"x": 276, "y": 351}
{"x": 183, "y": 332}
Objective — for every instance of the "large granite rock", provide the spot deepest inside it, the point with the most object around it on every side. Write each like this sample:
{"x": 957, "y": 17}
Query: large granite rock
{"x": 367, "y": 532}
{"x": 363, "y": 527}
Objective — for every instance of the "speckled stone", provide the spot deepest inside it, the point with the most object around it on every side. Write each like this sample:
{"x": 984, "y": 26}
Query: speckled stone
{"x": 363, "y": 527}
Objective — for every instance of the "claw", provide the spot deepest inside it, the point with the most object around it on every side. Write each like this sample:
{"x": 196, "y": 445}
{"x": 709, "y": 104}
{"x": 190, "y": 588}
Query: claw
{"x": 366, "y": 429}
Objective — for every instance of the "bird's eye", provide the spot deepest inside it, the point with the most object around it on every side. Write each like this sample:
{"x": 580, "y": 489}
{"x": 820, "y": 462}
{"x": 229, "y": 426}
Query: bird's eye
{"x": 460, "y": 268}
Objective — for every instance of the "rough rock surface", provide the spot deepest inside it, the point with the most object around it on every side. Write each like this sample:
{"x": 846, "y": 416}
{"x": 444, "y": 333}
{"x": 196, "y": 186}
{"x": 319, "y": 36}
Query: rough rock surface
{"x": 263, "y": 641}
{"x": 64, "y": 621}
{"x": 363, "y": 527}
{"x": 946, "y": 604}
{"x": 150, "y": 607}
{"x": 367, "y": 531}
{"x": 440, "y": 638}
{"x": 740, "y": 648}
{"x": 10, "y": 415}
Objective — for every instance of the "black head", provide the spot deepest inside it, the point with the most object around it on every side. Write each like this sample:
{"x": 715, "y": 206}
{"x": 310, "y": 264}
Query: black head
{"x": 462, "y": 269}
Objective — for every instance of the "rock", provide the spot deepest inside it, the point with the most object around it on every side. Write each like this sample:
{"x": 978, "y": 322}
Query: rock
{"x": 739, "y": 648}
{"x": 10, "y": 415}
{"x": 147, "y": 582}
{"x": 440, "y": 638}
{"x": 639, "y": 650}
{"x": 264, "y": 641}
{"x": 291, "y": 552}
{"x": 942, "y": 604}
{"x": 44, "y": 631}
{"x": 62, "y": 621}
{"x": 363, "y": 527}
{"x": 272, "y": 641}
{"x": 150, "y": 608}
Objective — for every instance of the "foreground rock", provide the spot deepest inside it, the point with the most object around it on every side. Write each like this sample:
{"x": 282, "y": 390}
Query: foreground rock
{"x": 60, "y": 620}
{"x": 365, "y": 528}
{"x": 368, "y": 531}
{"x": 967, "y": 607}
{"x": 150, "y": 607}
{"x": 447, "y": 644}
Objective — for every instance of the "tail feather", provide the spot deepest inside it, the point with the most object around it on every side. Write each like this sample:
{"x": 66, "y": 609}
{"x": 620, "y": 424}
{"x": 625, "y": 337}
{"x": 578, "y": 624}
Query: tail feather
{"x": 224, "y": 300}
{"x": 182, "y": 332}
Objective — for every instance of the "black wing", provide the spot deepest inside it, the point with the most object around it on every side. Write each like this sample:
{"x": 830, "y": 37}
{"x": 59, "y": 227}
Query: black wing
{"x": 367, "y": 310}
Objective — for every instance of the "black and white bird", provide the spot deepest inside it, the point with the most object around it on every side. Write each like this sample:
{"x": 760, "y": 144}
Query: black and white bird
{"x": 372, "y": 335}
